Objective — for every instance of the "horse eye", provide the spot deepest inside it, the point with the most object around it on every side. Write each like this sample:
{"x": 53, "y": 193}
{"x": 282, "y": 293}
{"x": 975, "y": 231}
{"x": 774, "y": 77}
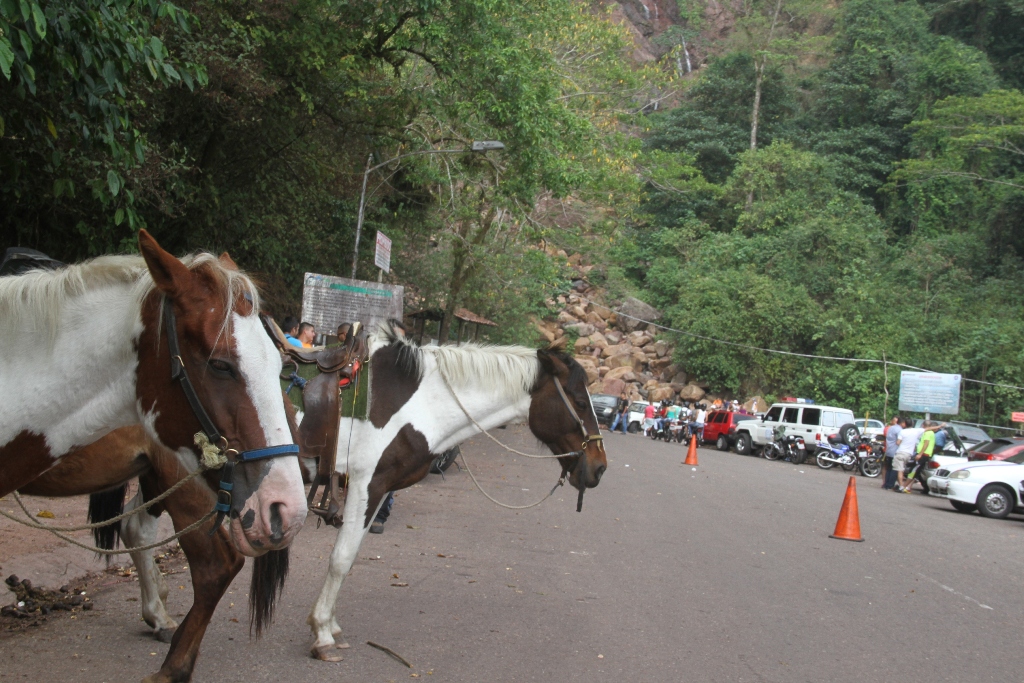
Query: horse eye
{"x": 222, "y": 367}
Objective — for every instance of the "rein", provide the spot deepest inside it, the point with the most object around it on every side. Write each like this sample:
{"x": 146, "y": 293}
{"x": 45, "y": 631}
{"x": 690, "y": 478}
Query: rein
{"x": 587, "y": 438}
{"x": 215, "y": 439}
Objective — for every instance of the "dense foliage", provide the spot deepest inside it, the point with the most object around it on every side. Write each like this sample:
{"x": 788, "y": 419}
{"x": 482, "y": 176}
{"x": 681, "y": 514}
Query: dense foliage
{"x": 881, "y": 217}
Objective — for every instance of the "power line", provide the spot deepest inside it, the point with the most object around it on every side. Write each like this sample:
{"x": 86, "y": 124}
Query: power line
{"x": 790, "y": 353}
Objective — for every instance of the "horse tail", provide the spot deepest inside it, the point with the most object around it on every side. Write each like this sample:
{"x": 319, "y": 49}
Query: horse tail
{"x": 104, "y": 506}
{"x": 268, "y": 574}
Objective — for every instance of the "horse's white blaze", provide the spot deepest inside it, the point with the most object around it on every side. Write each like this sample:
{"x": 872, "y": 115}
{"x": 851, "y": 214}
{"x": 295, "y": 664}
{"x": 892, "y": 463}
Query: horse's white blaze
{"x": 493, "y": 400}
{"x": 79, "y": 384}
{"x": 259, "y": 363}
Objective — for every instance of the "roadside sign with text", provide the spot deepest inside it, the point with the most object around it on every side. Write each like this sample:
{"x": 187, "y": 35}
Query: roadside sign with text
{"x": 382, "y": 258}
{"x": 930, "y": 392}
{"x": 328, "y": 301}
{"x": 1017, "y": 417}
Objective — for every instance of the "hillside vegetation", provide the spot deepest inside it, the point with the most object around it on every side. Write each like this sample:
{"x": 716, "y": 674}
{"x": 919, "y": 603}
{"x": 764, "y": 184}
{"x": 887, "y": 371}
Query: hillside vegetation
{"x": 840, "y": 179}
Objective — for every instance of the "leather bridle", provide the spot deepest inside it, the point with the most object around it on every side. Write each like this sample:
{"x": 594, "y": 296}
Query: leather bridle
{"x": 213, "y": 434}
{"x": 580, "y": 454}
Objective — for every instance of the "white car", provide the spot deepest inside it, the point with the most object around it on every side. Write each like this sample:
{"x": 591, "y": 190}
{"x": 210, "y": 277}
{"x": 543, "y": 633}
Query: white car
{"x": 809, "y": 421}
{"x": 636, "y": 416}
{"x": 869, "y": 427}
{"x": 992, "y": 487}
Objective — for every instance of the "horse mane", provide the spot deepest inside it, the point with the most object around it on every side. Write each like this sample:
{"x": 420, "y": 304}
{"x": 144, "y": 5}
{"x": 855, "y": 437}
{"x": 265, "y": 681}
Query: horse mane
{"x": 514, "y": 369}
{"x": 35, "y": 301}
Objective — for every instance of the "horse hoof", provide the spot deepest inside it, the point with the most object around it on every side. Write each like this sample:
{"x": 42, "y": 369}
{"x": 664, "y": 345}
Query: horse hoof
{"x": 164, "y": 635}
{"x": 326, "y": 653}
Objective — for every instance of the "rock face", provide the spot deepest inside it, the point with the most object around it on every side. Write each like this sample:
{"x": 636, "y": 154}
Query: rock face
{"x": 618, "y": 352}
{"x": 634, "y": 308}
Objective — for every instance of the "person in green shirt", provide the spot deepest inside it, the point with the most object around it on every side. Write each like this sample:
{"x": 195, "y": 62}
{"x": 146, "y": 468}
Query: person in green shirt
{"x": 925, "y": 447}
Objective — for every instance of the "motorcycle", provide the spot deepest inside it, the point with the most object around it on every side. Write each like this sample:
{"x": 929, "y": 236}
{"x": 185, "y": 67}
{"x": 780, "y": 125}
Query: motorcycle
{"x": 834, "y": 452}
{"x": 784, "y": 446}
{"x": 871, "y": 455}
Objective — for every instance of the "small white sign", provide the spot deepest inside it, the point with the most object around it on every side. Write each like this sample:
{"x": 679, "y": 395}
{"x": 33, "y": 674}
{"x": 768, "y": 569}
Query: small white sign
{"x": 382, "y": 259}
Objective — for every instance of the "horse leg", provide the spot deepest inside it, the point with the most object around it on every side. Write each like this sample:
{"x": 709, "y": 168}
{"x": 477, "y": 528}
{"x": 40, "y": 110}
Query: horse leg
{"x": 138, "y": 530}
{"x": 321, "y": 618}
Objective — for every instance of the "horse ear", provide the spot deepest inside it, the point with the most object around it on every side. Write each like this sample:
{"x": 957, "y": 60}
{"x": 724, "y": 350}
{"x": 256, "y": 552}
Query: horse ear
{"x": 551, "y": 363}
{"x": 228, "y": 262}
{"x": 170, "y": 275}
{"x": 559, "y": 345}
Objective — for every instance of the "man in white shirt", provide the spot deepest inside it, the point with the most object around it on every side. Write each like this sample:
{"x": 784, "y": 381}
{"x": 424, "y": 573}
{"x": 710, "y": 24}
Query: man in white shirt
{"x": 906, "y": 447}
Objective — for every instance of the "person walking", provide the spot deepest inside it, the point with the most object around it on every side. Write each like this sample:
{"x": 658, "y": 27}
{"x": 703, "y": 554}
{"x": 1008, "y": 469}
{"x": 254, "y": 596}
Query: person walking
{"x": 621, "y": 414}
{"x": 648, "y": 418}
{"x": 890, "y": 434}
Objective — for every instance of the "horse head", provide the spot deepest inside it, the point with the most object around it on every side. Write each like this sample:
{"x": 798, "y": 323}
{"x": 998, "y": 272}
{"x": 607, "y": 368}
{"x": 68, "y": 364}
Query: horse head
{"x": 562, "y": 416}
{"x": 208, "y": 309}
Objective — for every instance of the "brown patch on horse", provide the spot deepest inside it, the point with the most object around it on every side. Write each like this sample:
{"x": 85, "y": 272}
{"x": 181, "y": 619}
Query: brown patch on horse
{"x": 97, "y": 467}
{"x": 405, "y": 461}
{"x": 24, "y": 458}
{"x": 395, "y": 379}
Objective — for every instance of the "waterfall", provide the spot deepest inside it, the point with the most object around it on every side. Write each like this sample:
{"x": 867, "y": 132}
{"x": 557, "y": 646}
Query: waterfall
{"x": 647, "y": 10}
{"x": 687, "y": 53}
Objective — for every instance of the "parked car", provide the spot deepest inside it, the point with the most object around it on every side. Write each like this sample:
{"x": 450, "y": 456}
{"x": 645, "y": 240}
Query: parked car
{"x": 636, "y": 416}
{"x": 810, "y": 422}
{"x": 992, "y": 487}
{"x": 604, "y": 407}
{"x": 720, "y": 428}
{"x": 869, "y": 427}
{"x": 1000, "y": 448}
{"x": 970, "y": 435}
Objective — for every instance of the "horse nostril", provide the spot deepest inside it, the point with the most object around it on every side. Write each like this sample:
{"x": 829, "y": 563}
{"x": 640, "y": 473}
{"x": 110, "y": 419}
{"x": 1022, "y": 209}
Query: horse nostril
{"x": 276, "y": 530}
{"x": 599, "y": 471}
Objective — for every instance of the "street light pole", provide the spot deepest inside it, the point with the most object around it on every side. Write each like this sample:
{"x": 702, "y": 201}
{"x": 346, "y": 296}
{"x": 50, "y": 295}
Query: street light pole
{"x": 476, "y": 146}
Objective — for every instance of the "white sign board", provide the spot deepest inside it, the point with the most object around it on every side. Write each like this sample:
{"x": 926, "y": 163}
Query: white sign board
{"x": 382, "y": 258}
{"x": 328, "y": 301}
{"x": 930, "y": 392}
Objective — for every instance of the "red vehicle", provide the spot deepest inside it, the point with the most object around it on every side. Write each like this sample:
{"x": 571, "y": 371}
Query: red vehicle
{"x": 720, "y": 428}
{"x": 997, "y": 449}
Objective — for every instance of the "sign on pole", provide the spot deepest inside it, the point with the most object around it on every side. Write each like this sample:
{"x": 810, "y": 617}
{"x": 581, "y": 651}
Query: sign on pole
{"x": 382, "y": 258}
{"x": 1017, "y": 417}
{"x": 930, "y": 392}
{"x": 328, "y": 301}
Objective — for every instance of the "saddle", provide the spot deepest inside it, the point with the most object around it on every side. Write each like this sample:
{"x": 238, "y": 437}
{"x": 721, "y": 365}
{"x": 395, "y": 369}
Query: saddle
{"x": 322, "y": 375}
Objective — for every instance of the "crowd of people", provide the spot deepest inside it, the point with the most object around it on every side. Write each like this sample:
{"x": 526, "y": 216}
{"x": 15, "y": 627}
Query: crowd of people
{"x": 907, "y": 449}
{"x": 658, "y": 417}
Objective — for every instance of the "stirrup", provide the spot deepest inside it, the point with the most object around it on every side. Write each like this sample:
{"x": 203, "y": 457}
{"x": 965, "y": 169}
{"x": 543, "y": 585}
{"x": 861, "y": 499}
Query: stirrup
{"x": 329, "y": 509}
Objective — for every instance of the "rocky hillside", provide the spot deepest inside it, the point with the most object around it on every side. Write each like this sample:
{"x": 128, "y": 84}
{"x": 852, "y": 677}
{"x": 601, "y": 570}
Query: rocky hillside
{"x": 618, "y": 352}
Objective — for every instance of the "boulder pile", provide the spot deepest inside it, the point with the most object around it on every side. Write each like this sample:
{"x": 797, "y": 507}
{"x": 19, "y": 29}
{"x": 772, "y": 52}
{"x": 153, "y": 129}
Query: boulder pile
{"x": 619, "y": 353}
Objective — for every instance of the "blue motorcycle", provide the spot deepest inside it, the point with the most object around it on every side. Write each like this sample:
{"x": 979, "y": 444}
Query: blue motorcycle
{"x": 834, "y": 452}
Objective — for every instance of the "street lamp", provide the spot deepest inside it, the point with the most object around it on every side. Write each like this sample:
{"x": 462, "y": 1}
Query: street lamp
{"x": 475, "y": 146}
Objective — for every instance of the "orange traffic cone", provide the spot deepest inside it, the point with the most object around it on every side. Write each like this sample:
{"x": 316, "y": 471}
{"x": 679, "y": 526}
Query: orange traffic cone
{"x": 691, "y": 452}
{"x": 848, "y": 524}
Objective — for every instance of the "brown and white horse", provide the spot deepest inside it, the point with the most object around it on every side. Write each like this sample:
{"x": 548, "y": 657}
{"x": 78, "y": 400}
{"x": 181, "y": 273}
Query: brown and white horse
{"x": 105, "y": 467}
{"x": 413, "y": 415}
{"x": 87, "y": 349}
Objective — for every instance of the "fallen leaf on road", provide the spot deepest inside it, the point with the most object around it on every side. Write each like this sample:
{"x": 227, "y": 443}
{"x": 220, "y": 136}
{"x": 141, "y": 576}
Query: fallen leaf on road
{"x": 400, "y": 584}
{"x": 233, "y": 619}
{"x": 410, "y": 526}
{"x": 46, "y": 513}
{"x": 441, "y": 555}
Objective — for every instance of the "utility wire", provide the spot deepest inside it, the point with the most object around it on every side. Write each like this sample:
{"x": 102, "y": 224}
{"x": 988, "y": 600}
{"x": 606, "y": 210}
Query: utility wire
{"x": 789, "y": 353}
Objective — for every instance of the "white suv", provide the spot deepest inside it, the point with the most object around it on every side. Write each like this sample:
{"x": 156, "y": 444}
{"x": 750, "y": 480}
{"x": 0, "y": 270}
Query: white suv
{"x": 809, "y": 421}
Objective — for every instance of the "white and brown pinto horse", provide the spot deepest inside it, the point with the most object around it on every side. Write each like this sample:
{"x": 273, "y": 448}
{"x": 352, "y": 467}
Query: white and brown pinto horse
{"x": 414, "y": 415}
{"x": 86, "y": 349}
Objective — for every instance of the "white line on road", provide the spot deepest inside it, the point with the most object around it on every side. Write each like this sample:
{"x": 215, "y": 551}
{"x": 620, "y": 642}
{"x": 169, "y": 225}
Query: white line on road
{"x": 953, "y": 591}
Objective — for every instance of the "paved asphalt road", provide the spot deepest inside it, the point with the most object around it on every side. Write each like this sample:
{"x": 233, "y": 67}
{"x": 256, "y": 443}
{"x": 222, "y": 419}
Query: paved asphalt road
{"x": 725, "y": 573}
